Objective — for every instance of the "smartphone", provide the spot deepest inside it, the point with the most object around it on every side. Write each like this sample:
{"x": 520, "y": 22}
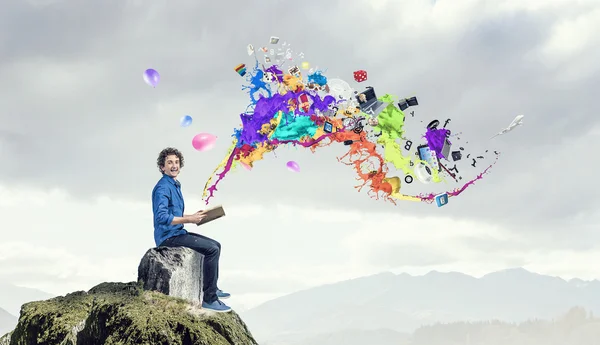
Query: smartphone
{"x": 425, "y": 154}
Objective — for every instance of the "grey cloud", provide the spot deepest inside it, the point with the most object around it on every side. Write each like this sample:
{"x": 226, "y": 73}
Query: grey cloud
{"x": 12, "y": 145}
{"x": 102, "y": 136}
{"x": 390, "y": 256}
{"x": 488, "y": 244}
{"x": 585, "y": 241}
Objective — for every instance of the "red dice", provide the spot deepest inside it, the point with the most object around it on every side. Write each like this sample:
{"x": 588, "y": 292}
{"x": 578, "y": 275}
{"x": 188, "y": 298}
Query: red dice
{"x": 360, "y": 75}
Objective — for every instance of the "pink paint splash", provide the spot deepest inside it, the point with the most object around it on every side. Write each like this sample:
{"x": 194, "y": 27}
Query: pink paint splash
{"x": 429, "y": 198}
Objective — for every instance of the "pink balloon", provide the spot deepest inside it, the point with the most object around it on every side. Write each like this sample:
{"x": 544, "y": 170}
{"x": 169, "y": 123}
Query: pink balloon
{"x": 204, "y": 141}
{"x": 293, "y": 166}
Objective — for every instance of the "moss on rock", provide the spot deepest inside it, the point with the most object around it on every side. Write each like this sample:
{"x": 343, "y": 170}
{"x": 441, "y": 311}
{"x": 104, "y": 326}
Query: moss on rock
{"x": 122, "y": 313}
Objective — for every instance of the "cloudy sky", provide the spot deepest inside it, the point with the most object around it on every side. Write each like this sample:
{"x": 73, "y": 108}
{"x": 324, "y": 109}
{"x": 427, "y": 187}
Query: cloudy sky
{"x": 80, "y": 132}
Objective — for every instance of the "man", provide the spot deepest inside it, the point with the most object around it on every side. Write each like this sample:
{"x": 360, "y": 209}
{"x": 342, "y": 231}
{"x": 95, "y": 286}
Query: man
{"x": 168, "y": 206}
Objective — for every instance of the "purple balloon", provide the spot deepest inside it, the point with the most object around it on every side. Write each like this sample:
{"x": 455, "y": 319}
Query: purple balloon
{"x": 151, "y": 77}
{"x": 293, "y": 166}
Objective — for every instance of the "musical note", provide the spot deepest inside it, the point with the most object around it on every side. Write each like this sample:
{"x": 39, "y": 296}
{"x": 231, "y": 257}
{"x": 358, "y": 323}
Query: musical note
{"x": 453, "y": 169}
{"x": 412, "y": 113}
{"x": 474, "y": 161}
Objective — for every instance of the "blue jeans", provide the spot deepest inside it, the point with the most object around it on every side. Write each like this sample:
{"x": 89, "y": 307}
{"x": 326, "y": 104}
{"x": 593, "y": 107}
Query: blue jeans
{"x": 211, "y": 250}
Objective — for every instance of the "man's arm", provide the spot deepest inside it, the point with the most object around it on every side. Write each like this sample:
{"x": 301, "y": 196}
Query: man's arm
{"x": 161, "y": 209}
{"x": 180, "y": 220}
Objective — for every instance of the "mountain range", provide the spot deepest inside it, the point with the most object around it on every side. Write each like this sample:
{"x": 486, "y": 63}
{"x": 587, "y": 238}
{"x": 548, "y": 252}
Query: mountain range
{"x": 386, "y": 308}
{"x": 398, "y": 304}
{"x": 11, "y": 299}
{"x": 7, "y": 322}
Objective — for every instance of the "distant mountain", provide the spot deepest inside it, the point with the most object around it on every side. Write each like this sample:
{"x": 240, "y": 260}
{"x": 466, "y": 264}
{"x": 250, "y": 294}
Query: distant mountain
{"x": 7, "y": 322}
{"x": 402, "y": 303}
{"x": 348, "y": 337}
{"x": 12, "y": 297}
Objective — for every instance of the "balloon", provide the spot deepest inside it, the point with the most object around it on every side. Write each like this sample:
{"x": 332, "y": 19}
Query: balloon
{"x": 293, "y": 166}
{"x": 151, "y": 77}
{"x": 186, "y": 121}
{"x": 204, "y": 141}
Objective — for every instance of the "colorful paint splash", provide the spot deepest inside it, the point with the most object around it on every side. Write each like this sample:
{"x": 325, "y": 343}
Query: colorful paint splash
{"x": 286, "y": 109}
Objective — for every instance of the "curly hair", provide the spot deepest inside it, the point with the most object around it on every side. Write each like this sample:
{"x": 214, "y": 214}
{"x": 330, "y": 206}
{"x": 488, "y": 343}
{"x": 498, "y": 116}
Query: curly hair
{"x": 162, "y": 156}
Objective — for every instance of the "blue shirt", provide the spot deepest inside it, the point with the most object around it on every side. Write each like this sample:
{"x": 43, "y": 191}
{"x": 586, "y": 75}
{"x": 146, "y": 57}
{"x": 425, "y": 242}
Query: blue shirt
{"x": 167, "y": 203}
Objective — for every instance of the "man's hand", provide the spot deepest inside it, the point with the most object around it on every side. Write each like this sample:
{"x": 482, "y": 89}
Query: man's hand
{"x": 197, "y": 217}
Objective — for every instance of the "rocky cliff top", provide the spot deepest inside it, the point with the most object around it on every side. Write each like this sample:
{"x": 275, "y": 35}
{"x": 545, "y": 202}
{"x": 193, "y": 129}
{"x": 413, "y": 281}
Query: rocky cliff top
{"x": 123, "y": 313}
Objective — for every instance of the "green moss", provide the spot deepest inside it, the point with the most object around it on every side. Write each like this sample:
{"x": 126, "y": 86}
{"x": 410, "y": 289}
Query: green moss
{"x": 119, "y": 313}
{"x": 5, "y": 339}
{"x": 50, "y": 321}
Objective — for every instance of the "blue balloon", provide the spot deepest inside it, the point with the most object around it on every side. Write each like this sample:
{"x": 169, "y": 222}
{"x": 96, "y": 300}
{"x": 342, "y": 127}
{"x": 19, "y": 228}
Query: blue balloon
{"x": 186, "y": 121}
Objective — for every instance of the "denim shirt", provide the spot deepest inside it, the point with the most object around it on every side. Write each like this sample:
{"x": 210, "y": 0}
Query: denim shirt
{"x": 167, "y": 203}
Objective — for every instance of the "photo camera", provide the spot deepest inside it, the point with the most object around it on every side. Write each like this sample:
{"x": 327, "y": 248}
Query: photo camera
{"x": 407, "y": 102}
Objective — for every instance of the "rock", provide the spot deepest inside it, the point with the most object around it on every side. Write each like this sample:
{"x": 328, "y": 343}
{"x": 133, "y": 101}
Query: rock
{"x": 175, "y": 272}
{"x": 123, "y": 313}
{"x": 5, "y": 340}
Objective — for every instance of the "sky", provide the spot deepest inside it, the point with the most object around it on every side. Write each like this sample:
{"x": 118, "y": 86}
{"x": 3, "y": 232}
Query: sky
{"x": 80, "y": 133}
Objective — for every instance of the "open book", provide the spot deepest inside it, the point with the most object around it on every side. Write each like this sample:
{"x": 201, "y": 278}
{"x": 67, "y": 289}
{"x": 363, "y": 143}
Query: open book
{"x": 212, "y": 214}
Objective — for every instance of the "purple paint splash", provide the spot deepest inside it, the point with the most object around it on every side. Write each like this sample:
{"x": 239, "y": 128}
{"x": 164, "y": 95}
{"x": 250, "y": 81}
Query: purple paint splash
{"x": 267, "y": 107}
{"x": 274, "y": 69}
{"x": 436, "y": 139}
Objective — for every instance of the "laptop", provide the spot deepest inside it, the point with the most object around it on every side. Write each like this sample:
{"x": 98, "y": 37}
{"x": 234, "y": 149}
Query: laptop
{"x": 367, "y": 100}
